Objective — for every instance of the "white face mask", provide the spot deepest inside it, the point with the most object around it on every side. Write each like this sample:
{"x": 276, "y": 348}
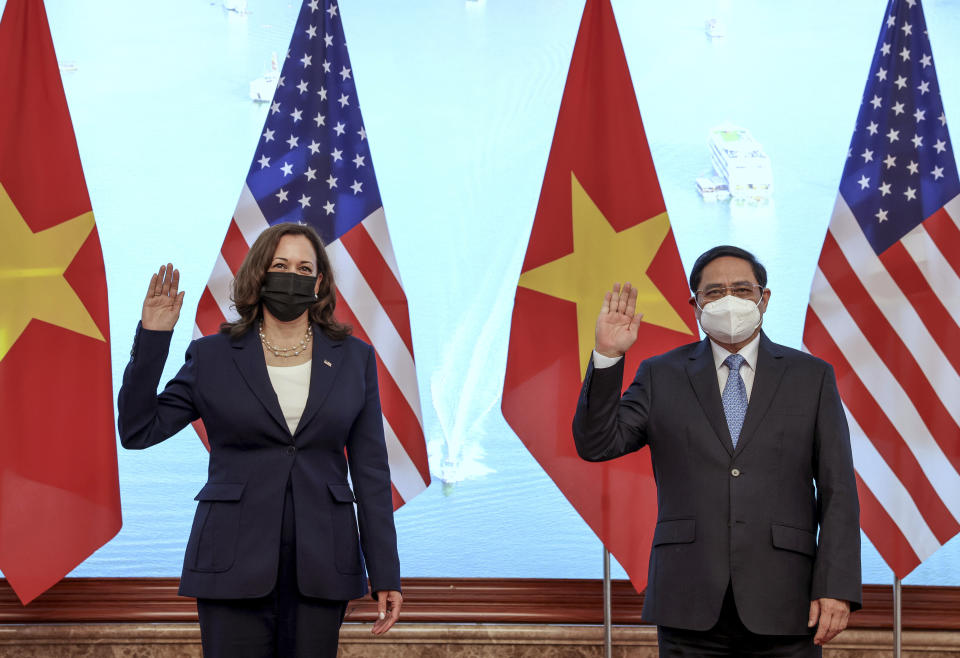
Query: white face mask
{"x": 730, "y": 320}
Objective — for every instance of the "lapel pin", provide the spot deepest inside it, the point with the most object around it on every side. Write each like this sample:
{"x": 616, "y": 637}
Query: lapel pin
{"x": 327, "y": 363}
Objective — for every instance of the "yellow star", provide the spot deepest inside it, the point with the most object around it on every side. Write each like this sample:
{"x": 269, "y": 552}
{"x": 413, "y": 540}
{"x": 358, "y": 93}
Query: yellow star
{"x": 600, "y": 257}
{"x": 31, "y": 275}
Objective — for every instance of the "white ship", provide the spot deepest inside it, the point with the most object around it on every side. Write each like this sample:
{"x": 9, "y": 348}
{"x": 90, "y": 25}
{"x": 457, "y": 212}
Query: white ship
{"x": 739, "y": 160}
{"x": 261, "y": 89}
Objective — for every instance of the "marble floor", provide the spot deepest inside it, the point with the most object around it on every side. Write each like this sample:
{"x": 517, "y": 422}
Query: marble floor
{"x": 423, "y": 641}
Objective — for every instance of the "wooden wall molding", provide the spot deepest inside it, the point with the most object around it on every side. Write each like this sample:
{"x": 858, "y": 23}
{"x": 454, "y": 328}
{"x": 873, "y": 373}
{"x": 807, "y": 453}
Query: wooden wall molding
{"x": 442, "y": 600}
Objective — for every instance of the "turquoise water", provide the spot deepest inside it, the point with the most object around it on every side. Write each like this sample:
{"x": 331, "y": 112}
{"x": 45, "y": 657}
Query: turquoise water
{"x": 460, "y": 100}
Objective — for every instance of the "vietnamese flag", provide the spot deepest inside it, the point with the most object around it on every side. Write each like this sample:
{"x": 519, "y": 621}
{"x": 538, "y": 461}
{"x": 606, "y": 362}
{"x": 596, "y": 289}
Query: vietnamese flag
{"x": 59, "y": 493}
{"x": 600, "y": 219}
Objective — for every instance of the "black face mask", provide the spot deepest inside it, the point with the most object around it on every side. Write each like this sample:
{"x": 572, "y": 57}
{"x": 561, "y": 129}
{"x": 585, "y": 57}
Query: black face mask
{"x": 287, "y": 295}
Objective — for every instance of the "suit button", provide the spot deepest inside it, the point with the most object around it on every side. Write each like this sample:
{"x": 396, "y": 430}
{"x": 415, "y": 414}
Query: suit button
{"x": 735, "y": 472}
{"x": 291, "y": 450}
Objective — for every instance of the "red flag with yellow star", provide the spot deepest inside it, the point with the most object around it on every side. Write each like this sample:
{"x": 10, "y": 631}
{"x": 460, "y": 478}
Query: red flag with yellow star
{"x": 59, "y": 493}
{"x": 601, "y": 219}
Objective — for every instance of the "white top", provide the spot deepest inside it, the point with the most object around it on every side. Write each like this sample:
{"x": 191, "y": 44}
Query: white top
{"x": 291, "y": 384}
{"x": 747, "y": 371}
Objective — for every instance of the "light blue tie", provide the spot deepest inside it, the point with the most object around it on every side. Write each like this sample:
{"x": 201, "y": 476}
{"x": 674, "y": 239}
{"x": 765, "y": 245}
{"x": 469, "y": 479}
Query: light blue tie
{"x": 734, "y": 397}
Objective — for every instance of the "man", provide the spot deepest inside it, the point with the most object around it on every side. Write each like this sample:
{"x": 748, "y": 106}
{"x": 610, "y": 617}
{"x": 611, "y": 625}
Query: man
{"x": 751, "y": 454}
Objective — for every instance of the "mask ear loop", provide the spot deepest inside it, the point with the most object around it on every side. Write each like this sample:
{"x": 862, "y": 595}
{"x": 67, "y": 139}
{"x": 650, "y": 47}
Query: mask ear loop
{"x": 760, "y": 301}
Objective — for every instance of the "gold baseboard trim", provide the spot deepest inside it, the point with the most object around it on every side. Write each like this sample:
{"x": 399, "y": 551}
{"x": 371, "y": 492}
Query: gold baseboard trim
{"x": 499, "y": 634}
{"x": 83, "y": 634}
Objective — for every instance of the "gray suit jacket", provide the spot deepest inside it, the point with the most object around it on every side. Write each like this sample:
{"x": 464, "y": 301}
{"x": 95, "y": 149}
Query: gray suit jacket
{"x": 748, "y": 516}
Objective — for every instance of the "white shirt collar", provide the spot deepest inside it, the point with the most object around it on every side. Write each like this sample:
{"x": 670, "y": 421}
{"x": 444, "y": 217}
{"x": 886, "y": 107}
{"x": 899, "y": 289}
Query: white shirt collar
{"x": 749, "y": 353}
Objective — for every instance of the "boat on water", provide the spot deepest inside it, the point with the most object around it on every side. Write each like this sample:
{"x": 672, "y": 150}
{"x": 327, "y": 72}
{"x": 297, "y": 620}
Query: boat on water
{"x": 237, "y": 6}
{"x": 261, "y": 89}
{"x": 740, "y": 163}
{"x": 715, "y": 28}
{"x": 712, "y": 188}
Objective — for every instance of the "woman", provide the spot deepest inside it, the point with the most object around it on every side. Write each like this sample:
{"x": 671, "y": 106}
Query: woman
{"x": 274, "y": 552}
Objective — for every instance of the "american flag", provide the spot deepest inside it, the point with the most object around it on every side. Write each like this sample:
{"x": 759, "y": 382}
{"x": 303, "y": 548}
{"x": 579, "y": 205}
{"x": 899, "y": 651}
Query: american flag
{"x": 312, "y": 165}
{"x": 886, "y": 298}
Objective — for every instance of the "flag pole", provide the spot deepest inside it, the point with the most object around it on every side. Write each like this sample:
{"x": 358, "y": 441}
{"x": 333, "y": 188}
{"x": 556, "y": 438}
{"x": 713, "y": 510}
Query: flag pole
{"x": 897, "y": 601}
{"x": 607, "y": 621}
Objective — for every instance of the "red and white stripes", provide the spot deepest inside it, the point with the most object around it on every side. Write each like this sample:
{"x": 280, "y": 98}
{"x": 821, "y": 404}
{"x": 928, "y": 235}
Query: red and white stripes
{"x": 888, "y": 324}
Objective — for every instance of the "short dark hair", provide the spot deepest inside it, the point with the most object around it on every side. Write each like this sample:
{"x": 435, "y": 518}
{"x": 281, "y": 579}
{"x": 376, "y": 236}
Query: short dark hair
{"x": 710, "y": 255}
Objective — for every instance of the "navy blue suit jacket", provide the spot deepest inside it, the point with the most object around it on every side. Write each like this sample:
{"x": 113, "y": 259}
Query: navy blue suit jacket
{"x": 749, "y": 516}
{"x": 234, "y": 544}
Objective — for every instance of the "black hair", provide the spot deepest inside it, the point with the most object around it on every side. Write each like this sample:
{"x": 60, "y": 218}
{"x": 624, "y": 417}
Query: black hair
{"x": 710, "y": 255}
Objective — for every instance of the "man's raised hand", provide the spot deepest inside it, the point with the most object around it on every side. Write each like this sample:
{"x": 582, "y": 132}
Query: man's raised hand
{"x": 618, "y": 322}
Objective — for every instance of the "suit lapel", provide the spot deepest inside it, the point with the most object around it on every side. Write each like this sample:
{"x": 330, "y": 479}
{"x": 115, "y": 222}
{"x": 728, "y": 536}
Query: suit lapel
{"x": 703, "y": 377}
{"x": 248, "y": 355}
{"x": 770, "y": 367}
{"x": 327, "y": 357}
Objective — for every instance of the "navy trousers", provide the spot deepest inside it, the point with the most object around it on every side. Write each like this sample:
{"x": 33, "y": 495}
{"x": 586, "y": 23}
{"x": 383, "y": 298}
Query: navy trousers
{"x": 283, "y": 624}
{"x": 729, "y": 637}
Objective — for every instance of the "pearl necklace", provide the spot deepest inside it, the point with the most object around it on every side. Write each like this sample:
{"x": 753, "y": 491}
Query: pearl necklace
{"x": 284, "y": 352}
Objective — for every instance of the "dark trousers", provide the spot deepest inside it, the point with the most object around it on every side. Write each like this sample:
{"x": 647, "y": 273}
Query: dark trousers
{"x": 729, "y": 637}
{"x": 282, "y": 624}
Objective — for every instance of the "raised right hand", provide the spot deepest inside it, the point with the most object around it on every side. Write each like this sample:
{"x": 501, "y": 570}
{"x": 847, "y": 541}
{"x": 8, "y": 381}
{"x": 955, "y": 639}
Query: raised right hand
{"x": 161, "y": 306}
{"x": 619, "y": 321}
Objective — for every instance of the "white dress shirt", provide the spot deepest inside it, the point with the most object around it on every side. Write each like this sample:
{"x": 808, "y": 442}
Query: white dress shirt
{"x": 748, "y": 370}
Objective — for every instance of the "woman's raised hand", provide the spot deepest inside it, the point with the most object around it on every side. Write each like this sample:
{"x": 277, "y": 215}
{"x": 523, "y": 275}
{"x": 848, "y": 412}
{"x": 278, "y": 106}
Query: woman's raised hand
{"x": 619, "y": 321}
{"x": 161, "y": 306}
